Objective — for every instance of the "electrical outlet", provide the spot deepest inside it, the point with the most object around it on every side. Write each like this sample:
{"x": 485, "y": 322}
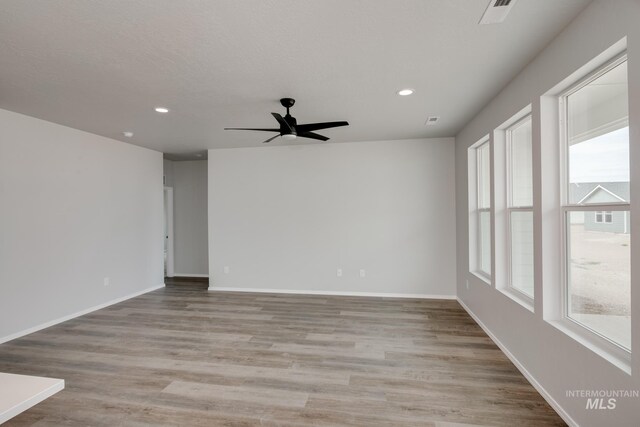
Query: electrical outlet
{"x": 467, "y": 283}
{"x": 226, "y": 269}
{"x": 339, "y": 272}
{"x": 106, "y": 281}
{"x": 362, "y": 273}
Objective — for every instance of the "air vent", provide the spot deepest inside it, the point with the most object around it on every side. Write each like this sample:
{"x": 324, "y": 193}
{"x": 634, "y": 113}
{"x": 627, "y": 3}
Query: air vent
{"x": 496, "y": 11}
{"x": 431, "y": 120}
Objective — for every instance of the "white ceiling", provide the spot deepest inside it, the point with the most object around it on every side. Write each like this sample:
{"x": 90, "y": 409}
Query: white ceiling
{"x": 102, "y": 65}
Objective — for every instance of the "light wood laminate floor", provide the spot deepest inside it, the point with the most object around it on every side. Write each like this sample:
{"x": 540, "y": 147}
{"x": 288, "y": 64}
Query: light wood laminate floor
{"x": 185, "y": 356}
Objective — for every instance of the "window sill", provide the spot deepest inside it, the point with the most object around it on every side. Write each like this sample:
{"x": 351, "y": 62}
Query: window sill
{"x": 518, "y": 297}
{"x": 482, "y": 276}
{"x": 612, "y": 353}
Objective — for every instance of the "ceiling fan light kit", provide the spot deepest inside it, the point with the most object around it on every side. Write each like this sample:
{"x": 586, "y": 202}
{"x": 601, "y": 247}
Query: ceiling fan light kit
{"x": 290, "y": 129}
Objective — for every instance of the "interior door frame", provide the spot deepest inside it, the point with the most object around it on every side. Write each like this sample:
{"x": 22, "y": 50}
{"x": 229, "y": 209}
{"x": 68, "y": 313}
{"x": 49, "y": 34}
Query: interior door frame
{"x": 168, "y": 192}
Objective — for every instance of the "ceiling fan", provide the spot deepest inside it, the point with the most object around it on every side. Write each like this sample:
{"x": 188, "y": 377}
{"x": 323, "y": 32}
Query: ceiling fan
{"x": 289, "y": 127}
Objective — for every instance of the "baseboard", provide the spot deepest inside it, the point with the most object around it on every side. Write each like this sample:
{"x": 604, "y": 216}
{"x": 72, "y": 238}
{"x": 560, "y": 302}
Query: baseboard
{"x": 178, "y": 275}
{"x": 77, "y": 314}
{"x": 334, "y": 293}
{"x": 543, "y": 392}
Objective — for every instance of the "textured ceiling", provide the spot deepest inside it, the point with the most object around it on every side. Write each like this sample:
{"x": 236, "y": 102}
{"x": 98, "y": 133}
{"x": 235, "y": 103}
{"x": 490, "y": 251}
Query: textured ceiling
{"x": 102, "y": 65}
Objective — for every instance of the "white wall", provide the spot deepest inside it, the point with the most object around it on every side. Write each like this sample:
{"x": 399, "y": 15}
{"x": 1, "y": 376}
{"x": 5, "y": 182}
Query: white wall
{"x": 190, "y": 218}
{"x": 287, "y": 217}
{"x": 556, "y": 361}
{"x": 74, "y": 208}
{"x": 167, "y": 170}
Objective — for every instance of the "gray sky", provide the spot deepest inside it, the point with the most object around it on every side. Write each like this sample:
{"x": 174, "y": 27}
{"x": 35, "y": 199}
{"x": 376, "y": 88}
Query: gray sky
{"x": 601, "y": 159}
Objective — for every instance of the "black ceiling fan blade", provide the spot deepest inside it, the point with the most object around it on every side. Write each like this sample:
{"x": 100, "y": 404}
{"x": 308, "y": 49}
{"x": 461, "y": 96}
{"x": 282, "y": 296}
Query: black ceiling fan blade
{"x": 312, "y": 135}
{"x": 259, "y": 129}
{"x": 270, "y": 139}
{"x": 317, "y": 126}
{"x": 282, "y": 122}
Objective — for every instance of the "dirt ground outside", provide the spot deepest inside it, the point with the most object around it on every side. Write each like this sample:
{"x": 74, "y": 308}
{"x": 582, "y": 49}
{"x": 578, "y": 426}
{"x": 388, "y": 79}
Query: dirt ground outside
{"x": 600, "y": 272}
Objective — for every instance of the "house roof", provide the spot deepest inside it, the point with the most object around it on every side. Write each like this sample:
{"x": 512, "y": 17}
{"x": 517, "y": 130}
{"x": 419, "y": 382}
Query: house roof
{"x": 581, "y": 192}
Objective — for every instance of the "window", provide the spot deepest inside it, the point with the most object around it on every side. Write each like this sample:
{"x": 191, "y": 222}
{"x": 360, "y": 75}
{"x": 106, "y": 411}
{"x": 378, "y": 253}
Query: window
{"x": 484, "y": 208}
{"x": 596, "y": 204}
{"x": 519, "y": 213}
{"x": 480, "y": 209}
{"x": 604, "y": 217}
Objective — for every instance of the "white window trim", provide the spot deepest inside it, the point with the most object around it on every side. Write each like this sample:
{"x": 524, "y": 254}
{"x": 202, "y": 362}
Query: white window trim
{"x": 600, "y": 187}
{"x": 601, "y": 345}
{"x": 603, "y": 217}
{"x": 475, "y": 250}
{"x": 481, "y": 210}
{"x": 565, "y": 259}
{"x": 528, "y": 299}
{"x": 503, "y": 209}
{"x": 608, "y": 217}
{"x": 562, "y": 99}
{"x": 598, "y": 214}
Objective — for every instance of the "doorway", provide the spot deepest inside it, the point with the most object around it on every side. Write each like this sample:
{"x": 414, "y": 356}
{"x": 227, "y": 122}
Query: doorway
{"x": 168, "y": 232}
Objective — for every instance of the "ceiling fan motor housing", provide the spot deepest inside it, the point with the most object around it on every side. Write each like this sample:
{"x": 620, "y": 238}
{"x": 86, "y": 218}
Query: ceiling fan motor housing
{"x": 291, "y": 121}
{"x": 292, "y": 124}
{"x": 287, "y": 103}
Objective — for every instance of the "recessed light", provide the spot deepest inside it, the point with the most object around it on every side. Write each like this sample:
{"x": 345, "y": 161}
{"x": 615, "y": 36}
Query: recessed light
{"x": 128, "y": 134}
{"x": 405, "y": 92}
{"x": 161, "y": 110}
{"x": 198, "y": 155}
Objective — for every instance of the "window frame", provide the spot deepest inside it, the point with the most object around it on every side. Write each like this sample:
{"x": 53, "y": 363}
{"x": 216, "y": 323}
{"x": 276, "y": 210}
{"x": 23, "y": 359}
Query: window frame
{"x": 480, "y": 209}
{"x": 510, "y": 207}
{"x": 598, "y": 214}
{"x": 603, "y": 217}
{"x": 566, "y": 208}
{"x": 504, "y": 209}
{"x": 608, "y": 217}
{"x": 475, "y": 233}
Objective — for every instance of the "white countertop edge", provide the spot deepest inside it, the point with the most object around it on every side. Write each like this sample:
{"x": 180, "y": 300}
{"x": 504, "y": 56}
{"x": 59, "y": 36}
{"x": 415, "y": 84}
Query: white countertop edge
{"x": 8, "y": 413}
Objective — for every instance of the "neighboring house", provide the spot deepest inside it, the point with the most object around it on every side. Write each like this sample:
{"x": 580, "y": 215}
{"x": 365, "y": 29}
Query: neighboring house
{"x": 602, "y": 192}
